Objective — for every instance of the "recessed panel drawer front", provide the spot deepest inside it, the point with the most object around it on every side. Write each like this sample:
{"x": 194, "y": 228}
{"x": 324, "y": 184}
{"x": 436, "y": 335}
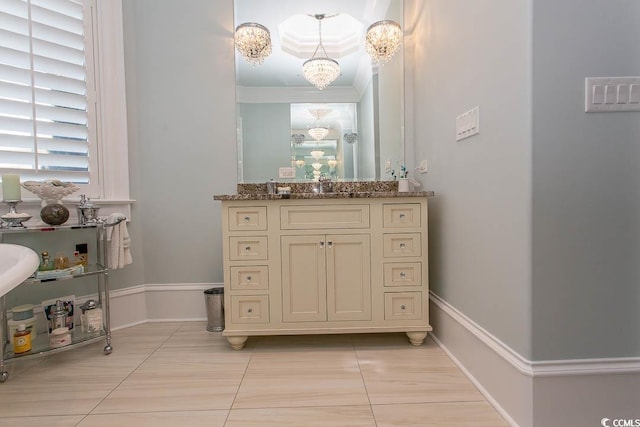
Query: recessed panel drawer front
{"x": 403, "y": 305}
{"x": 321, "y": 217}
{"x": 250, "y": 308}
{"x": 402, "y": 245}
{"x": 250, "y": 278}
{"x": 401, "y": 215}
{"x": 402, "y": 273}
{"x": 250, "y": 218}
{"x": 247, "y": 248}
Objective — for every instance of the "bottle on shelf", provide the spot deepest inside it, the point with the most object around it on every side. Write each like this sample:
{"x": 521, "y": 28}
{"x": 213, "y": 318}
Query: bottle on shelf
{"x": 45, "y": 263}
{"x": 22, "y": 339}
{"x": 57, "y": 316}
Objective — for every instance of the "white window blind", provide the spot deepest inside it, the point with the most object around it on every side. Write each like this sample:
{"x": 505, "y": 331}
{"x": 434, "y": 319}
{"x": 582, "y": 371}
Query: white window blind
{"x": 44, "y": 107}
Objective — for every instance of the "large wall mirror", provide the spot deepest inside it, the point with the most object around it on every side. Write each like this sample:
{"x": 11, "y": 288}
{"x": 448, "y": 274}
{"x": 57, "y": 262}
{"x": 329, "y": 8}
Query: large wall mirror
{"x": 363, "y": 109}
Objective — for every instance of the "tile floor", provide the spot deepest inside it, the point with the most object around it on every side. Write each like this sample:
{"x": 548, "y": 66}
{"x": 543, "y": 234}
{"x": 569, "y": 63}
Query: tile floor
{"x": 168, "y": 374}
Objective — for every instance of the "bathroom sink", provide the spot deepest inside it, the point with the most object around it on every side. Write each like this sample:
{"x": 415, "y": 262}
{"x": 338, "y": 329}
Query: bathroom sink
{"x": 16, "y": 264}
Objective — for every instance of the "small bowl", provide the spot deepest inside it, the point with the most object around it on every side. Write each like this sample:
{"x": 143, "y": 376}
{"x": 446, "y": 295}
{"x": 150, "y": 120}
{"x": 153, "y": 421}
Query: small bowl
{"x": 15, "y": 221}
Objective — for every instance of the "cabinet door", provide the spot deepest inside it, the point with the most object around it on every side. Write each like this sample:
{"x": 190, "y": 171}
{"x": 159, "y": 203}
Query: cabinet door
{"x": 348, "y": 277}
{"x": 304, "y": 292}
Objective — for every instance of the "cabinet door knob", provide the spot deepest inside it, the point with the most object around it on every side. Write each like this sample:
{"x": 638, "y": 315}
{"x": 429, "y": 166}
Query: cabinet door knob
{"x": 321, "y": 243}
{"x": 330, "y": 244}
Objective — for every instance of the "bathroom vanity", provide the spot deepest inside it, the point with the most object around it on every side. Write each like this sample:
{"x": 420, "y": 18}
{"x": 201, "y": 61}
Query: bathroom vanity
{"x": 352, "y": 260}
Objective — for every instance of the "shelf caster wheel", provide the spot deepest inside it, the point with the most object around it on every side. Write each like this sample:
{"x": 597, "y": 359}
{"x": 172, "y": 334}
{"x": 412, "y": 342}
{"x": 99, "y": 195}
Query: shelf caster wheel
{"x": 4, "y": 375}
{"x": 108, "y": 349}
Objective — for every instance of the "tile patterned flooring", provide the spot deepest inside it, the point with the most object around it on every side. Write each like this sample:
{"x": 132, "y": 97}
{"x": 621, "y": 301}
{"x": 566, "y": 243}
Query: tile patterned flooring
{"x": 168, "y": 374}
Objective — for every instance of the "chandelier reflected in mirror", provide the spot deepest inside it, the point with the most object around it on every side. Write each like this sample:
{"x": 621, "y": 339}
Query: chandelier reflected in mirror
{"x": 318, "y": 132}
{"x": 383, "y": 40}
{"x": 320, "y": 71}
{"x": 253, "y": 41}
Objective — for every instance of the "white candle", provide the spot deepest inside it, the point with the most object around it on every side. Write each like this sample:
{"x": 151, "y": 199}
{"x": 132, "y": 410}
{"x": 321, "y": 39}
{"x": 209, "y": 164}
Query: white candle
{"x": 11, "y": 187}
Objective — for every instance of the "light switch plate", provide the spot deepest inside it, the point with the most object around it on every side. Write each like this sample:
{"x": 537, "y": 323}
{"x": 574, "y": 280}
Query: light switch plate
{"x": 287, "y": 172}
{"x": 611, "y": 94}
{"x": 422, "y": 167}
{"x": 468, "y": 124}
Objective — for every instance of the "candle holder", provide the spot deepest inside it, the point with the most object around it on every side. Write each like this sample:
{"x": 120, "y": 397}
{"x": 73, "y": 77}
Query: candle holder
{"x": 13, "y": 219}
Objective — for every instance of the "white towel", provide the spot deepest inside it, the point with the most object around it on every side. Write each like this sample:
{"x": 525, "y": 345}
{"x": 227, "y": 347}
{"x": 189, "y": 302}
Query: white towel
{"x": 118, "y": 242}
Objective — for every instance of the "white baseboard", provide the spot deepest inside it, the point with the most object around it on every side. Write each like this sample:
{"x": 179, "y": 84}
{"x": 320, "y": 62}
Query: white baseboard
{"x": 540, "y": 393}
{"x": 157, "y": 303}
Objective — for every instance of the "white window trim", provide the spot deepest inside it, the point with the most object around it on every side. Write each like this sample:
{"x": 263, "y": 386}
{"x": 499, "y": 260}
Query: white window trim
{"x": 112, "y": 124}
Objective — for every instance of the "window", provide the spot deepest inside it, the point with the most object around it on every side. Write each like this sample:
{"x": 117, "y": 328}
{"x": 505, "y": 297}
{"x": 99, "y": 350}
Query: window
{"x": 47, "y": 91}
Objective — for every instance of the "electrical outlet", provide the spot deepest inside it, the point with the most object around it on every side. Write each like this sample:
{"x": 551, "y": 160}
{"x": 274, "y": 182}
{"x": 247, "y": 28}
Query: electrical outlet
{"x": 422, "y": 167}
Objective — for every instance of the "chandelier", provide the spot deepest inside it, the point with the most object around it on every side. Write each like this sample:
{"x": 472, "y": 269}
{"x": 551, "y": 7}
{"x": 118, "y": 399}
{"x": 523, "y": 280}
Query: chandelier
{"x": 253, "y": 41}
{"x": 318, "y": 132}
{"x": 383, "y": 40}
{"x": 317, "y": 154}
{"x": 320, "y": 71}
{"x": 350, "y": 137}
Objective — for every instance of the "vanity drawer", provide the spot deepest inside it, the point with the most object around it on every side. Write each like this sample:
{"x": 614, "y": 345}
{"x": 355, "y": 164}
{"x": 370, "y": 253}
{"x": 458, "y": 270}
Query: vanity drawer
{"x": 401, "y": 215}
{"x": 402, "y": 273}
{"x": 249, "y": 308}
{"x": 403, "y": 306}
{"x": 247, "y": 248}
{"x": 249, "y": 278}
{"x": 340, "y": 216}
{"x": 402, "y": 245}
{"x": 248, "y": 218}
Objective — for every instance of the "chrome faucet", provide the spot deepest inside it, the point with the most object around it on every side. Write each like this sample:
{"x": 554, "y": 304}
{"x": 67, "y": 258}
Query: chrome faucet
{"x": 323, "y": 185}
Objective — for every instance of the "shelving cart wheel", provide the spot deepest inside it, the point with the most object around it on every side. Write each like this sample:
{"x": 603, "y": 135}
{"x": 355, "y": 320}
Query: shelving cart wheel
{"x": 4, "y": 375}
{"x": 108, "y": 349}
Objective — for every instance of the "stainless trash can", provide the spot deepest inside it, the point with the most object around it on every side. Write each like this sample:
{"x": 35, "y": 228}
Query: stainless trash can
{"x": 214, "y": 300}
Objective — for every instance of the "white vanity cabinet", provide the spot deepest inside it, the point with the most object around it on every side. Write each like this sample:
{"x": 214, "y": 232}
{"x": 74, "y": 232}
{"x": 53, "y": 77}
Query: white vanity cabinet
{"x": 325, "y": 265}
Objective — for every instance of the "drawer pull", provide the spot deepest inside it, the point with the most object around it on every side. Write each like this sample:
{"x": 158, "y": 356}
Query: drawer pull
{"x": 403, "y": 307}
{"x": 402, "y": 216}
{"x": 246, "y": 219}
{"x": 247, "y": 249}
{"x": 250, "y": 310}
{"x": 403, "y": 275}
{"x": 248, "y": 278}
{"x": 403, "y": 245}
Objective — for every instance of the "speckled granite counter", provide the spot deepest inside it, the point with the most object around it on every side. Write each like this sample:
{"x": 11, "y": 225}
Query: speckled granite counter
{"x": 340, "y": 190}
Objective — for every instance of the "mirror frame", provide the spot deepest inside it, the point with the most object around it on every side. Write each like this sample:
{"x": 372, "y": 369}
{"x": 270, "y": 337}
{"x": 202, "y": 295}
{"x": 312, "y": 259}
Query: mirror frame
{"x": 383, "y": 158}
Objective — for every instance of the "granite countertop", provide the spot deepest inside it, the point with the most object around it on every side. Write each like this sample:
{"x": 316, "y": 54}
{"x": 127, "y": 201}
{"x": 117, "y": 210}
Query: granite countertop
{"x": 340, "y": 190}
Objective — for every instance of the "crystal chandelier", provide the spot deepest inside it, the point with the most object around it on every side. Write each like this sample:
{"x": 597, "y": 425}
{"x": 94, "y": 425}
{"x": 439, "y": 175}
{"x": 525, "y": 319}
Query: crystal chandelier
{"x": 350, "y": 137}
{"x": 332, "y": 163}
{"x": 253, "y": 41}
{"x": 320, "y": 71}
{"x": 318, "y": 132}
{"x": 317, "y": 154}
{"x": 300, "y": 163}
{"x": 383, "y": 40}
